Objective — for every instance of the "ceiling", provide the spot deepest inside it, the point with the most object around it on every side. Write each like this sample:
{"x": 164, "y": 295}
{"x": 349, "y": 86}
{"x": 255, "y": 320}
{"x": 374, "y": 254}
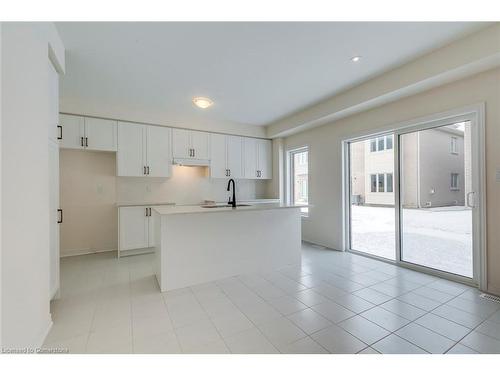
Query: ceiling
{"x": 256, "y": 73}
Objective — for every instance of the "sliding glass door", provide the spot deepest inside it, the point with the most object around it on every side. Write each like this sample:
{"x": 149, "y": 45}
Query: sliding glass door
{"x": 413, "y": 196}
{"x": 435, "y": 182}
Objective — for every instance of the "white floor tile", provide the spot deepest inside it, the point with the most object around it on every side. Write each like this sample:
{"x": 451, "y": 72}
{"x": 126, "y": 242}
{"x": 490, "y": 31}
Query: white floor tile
{"x": 425, "y": 338}
{"x": 458, "y": 316}
{"x": 481, "y": 343}
{"x": 336, "y": 340}
{"x": 251, "y": 341}
{"x": 309, "y": 320}
{"x": 363, "y": 329}
{"x": 333, "y": 312}
{"x": 461, "y": 349}
{"x": 481, "y": 308}
{"x": 489, "y": 328}
{"x": 433, "y": 294}
{"x": 385, "y": 319}
{"x": 305, "y": 345}
{"x": 443, "y": 326}
{"x": 160, "y": 343}
{"x": 287, "y": 305}
{"x": 419, "y": 301}
{"x": 197, "y": 334}
{"x": 403, "y": 309}
{"x": 230, "y": 324}
{"x": 353, "y": 303}
{"x": 368, "y": 351}
{"x": 281, "y": 331}
{"x": 393, "y": 344}
{"x": 372, "y": 295}
{"x": 310, "y": 298}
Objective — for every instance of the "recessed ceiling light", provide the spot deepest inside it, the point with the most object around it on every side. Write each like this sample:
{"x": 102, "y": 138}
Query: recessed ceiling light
{"x": 202, "y": 102}
{"x": 355, "y": 58}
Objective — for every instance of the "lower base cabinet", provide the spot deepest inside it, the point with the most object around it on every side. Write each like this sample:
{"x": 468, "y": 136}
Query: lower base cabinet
{"x": 135, "y": 228}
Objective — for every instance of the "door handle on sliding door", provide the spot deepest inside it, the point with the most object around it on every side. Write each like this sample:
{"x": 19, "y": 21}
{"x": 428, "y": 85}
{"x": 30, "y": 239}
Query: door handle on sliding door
{"x": 468, "y": 200}
{"x": 60, "y": 220}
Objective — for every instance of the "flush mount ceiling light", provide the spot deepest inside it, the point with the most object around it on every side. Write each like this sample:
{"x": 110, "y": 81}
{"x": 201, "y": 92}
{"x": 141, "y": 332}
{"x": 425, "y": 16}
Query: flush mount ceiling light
{"x": 355, "y": 58}
{"x": 202, "y": 102}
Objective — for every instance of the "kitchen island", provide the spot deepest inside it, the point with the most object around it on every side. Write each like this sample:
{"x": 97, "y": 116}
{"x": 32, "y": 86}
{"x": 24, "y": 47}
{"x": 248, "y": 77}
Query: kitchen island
{"x": 196, "y": 244}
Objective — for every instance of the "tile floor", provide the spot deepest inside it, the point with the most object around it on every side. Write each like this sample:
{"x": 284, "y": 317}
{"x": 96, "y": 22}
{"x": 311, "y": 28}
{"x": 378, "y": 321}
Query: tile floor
{"x": 332, "y": 303}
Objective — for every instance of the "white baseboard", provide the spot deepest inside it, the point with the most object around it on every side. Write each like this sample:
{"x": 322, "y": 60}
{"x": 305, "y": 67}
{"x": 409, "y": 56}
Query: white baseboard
{"x": 75, "y": 252}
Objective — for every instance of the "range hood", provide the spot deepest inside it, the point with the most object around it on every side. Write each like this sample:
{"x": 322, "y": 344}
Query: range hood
{"x": 191, "y": 162}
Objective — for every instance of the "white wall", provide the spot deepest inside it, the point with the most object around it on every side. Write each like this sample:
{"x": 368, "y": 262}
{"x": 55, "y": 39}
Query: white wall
{"x": 25, "y": 199}
{"x": 325, "y": 221}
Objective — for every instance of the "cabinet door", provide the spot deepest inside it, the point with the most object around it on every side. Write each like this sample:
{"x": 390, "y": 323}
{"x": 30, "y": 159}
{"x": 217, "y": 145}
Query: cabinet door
{"x": 159, "y": 156}
{"x": 100, "y": 134}
{"x": 72, "y": 131}
{"x": 130, "y": 158}
{"x": 134, "y": 229}
{"x": 181, "y": 143}
{"x": 218, "y": 167}
{"x": 264, "y": 164}
{"x": 250, "y": 158}
{"x": 200, "y": 142}
{"x": 54, "y": 217}
{"x": 234, "y": 153}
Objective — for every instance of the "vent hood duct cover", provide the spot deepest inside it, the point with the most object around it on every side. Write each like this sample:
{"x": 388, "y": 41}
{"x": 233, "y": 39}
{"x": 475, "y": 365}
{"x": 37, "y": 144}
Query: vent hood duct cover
{"x": 192, "y": 162}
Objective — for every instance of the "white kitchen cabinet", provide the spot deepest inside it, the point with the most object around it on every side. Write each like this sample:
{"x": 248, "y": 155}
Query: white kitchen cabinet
{"x": 257, "y": 158}
{"x": 100, "y": 134}
{"x": 264, "y": 159}
{"x": 158, "y": 151}
{"x": 133, "y": 225}
{"x": 72, "y": 131}
{"x": 250, "y": 158}
{"x": 136, "y": 230}
{"x": 218, "y": 166}
{"x": 143, "y": 150}
{"x": 226, "y": 156}
{"x": 190, "y": 144}
{"x": 82, "y": 133}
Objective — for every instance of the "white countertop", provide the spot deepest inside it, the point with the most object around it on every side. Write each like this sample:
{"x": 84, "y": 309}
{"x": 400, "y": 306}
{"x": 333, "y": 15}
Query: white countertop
{"x": 131, "y": 204}
{"x": 173, "y": 210}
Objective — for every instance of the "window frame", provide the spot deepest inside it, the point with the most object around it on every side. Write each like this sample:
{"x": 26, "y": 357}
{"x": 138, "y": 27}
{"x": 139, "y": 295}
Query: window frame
{"x": 457, "y": 187}
{"x": 290, "y": 178}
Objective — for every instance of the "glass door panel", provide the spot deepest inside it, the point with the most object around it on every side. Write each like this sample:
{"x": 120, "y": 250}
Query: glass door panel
{"x": 435, "y": 184}
{"x": 372, "y": 210}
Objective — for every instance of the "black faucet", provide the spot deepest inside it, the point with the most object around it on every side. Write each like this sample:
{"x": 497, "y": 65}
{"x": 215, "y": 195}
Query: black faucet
{"x": 233, "y": 201}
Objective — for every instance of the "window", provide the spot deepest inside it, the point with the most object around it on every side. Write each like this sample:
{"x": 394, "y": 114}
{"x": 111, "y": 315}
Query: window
{"x": 299, "y": 178}
{"x": 453, "y": 145}
{"x": 381, "y": 183}
{"x": 454, "y": 182}
{"x": 381, "y": 143}
{"x": 388, "y": 182}
{"x": 388, "y": 142}
{"x": 373, "y": 178}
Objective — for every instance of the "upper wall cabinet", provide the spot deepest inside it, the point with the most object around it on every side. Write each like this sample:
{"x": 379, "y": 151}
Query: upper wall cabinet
{"x": 143, "y": 150}
{"x": 257, "y": 158}
{"x": 87, "y": 133}
{"x": 226, "y": 156}
{"x": 190, "y": 144}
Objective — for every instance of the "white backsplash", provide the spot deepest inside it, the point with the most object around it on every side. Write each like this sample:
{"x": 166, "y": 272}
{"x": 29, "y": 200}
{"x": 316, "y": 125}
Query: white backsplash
{"x": 188, "y": 185}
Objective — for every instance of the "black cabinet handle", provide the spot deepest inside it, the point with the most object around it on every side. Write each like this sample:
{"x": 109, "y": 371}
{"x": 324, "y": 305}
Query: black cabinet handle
{"x": 81, "y": 141}
{"x": 86, "y": 142}
{"x": 60, "y": 131}
{"x": 144, "y": 170}
{"x": 148, "y": 169}
{"x": 60, "y": 220}
{"x": 146, "y": 211}
{"x": 194, "y": 152}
